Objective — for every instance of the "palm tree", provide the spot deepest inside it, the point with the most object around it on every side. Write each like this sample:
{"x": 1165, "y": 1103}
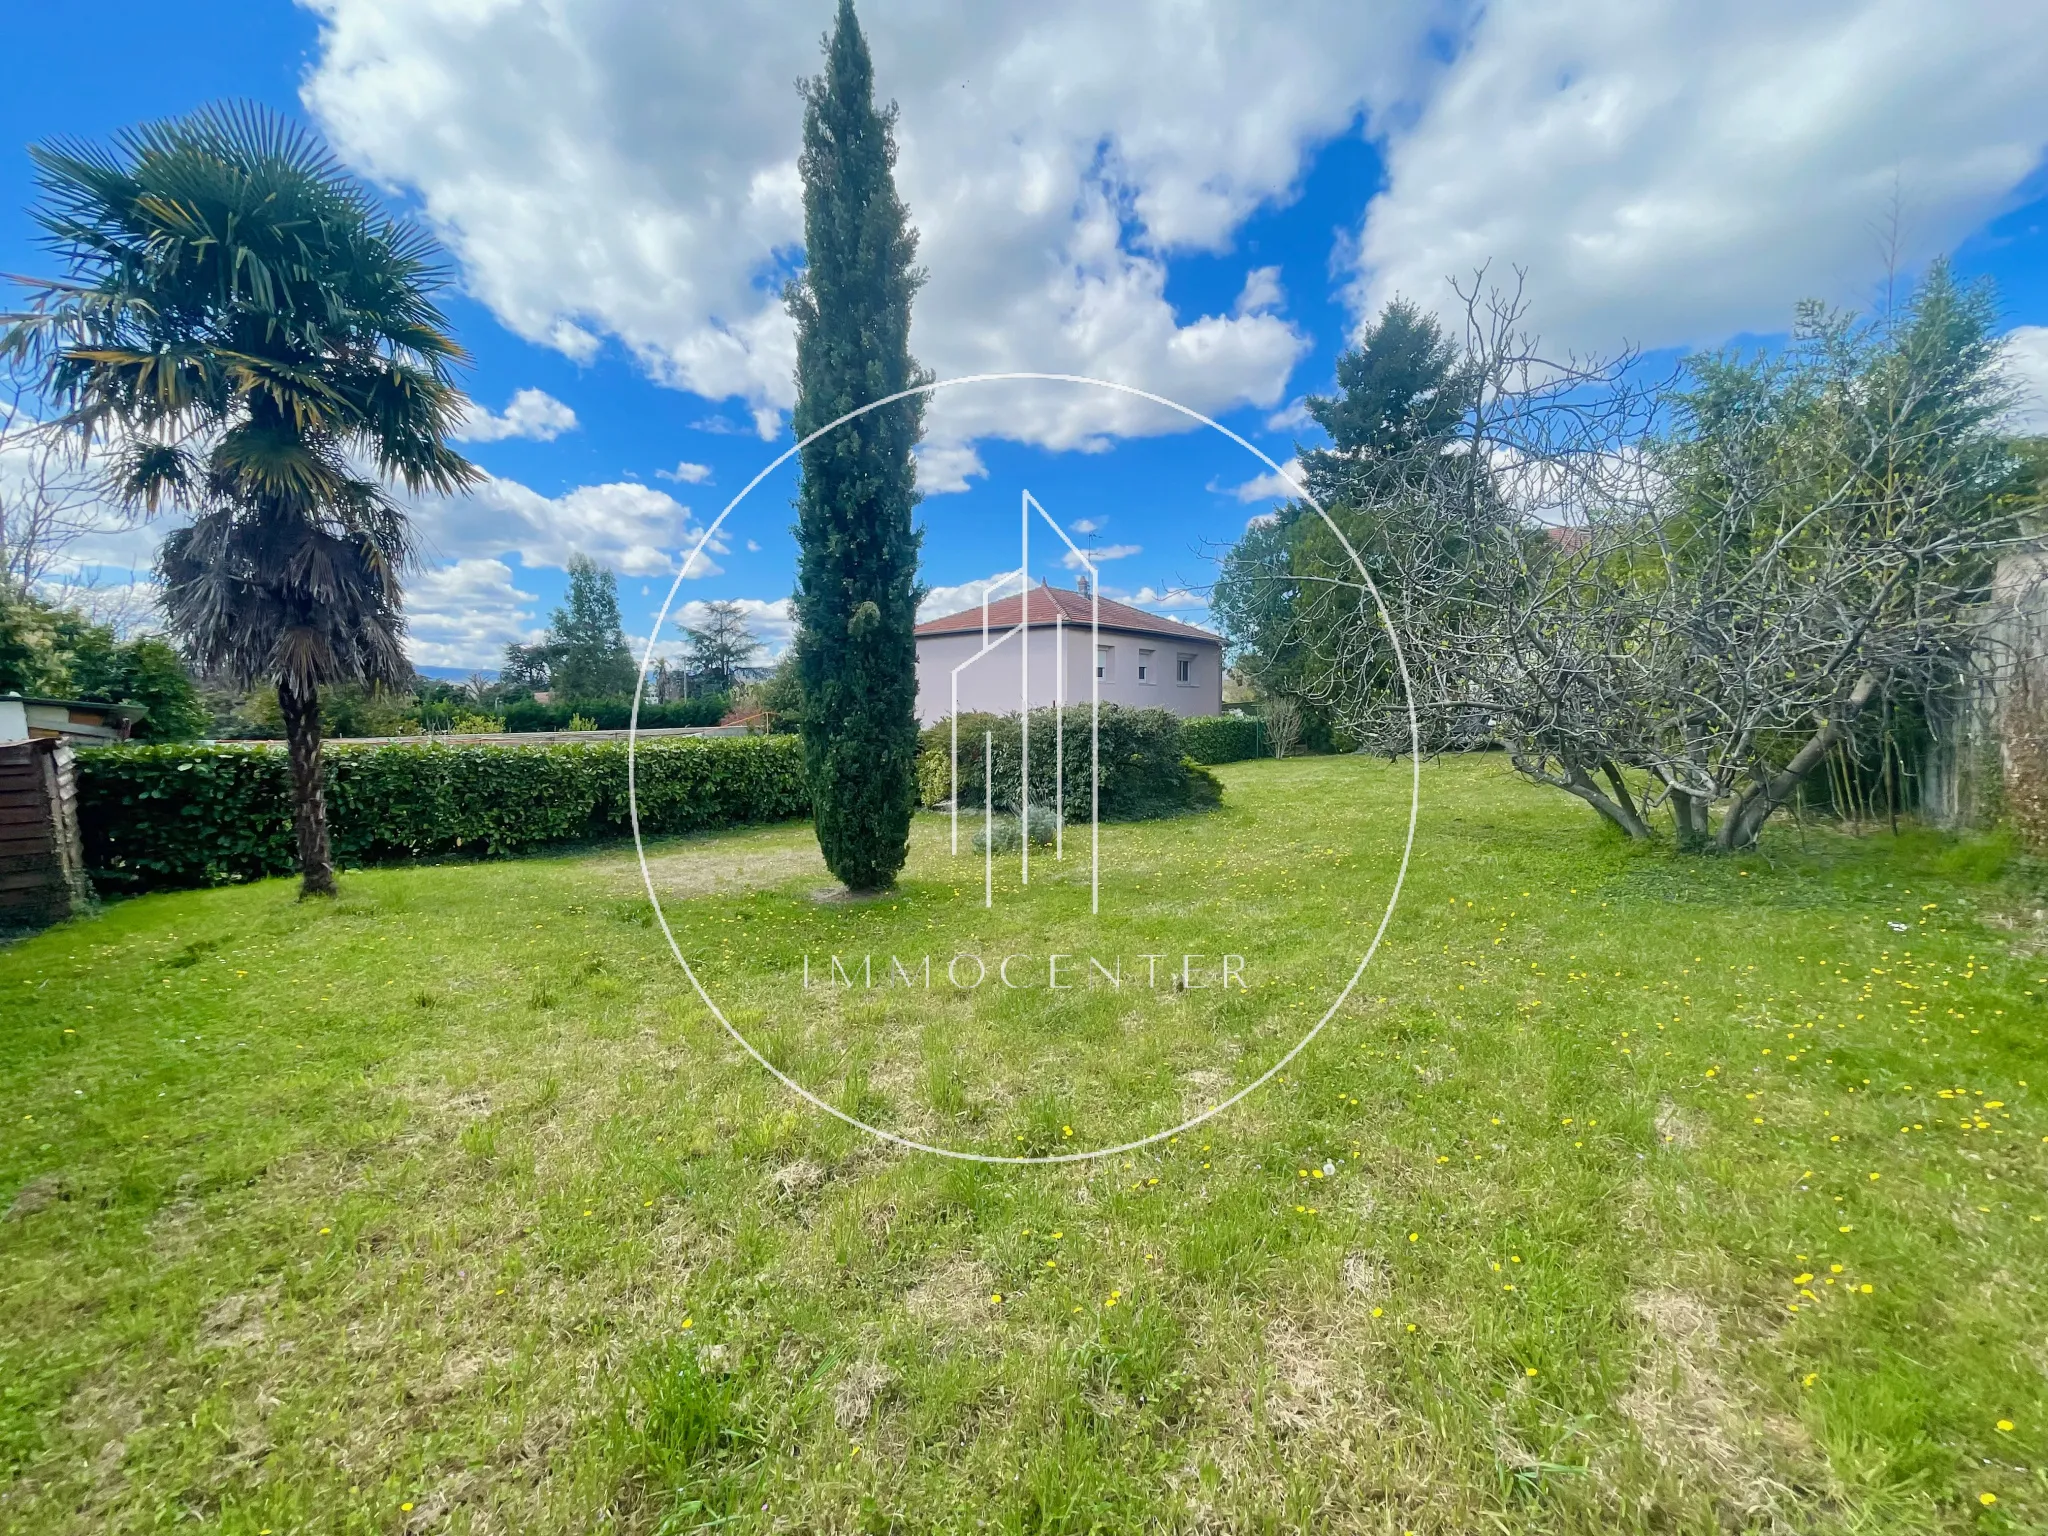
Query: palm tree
{"x": 245, "y": 333}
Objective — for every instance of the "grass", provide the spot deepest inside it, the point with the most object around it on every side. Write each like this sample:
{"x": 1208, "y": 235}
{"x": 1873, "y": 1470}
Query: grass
{"x": 1629, "y": 1193}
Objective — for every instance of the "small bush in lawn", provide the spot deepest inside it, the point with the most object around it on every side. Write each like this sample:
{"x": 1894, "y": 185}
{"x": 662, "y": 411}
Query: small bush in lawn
{"x": 1008, "y": 832}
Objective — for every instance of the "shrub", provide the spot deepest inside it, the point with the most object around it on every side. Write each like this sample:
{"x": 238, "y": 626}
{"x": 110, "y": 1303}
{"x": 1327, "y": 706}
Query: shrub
{"x": 1223, "y": 738}
{"x": 1007, "y": 834}
{"x": 1144, "y": 773}
{"x": 613, "y": 714}
{"x": 165, "y": 817}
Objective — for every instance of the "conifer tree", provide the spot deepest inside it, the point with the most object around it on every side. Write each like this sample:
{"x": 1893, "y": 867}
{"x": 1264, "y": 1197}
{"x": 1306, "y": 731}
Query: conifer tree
{"x": 857, "y": 590}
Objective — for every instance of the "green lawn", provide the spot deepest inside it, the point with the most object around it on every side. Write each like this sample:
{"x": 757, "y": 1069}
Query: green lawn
{"x": 1668, "y": 1195}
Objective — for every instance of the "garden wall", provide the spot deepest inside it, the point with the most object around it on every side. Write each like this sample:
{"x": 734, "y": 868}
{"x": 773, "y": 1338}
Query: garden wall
{"x": 168, "y": 817}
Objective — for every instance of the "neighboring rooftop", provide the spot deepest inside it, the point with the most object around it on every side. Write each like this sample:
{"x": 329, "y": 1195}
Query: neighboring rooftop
{"x": 1074, "y": 607}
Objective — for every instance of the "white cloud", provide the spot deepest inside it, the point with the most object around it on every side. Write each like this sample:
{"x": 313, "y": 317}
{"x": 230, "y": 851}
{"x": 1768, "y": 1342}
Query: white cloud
{"x": 685, "y": 473}
{"x": 1088, "y": 525}
{"x": 533, "y": 414}
{"x": 2026, "y": 359}
{"x": 940, "y": 601}
{"x": 1284, "y": 486}
{"x": 464, "y": 614}
{"x": 1262, "y": 291}
{"x": 1673, "y": 173}
{"x": 608, "y": 169}
{"x": 944, "y": 468}
{"x": 1292, "y": 418}
{"x": 630, "y": 527}
{"x": 1171, "y": 599}
{"x": 1074, "y": 562}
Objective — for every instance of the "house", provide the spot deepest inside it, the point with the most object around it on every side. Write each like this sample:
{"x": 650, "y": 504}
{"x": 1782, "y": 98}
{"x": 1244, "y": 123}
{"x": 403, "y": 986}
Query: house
{"x": 80, "y": 720}
{"x": 1140, "y": 659}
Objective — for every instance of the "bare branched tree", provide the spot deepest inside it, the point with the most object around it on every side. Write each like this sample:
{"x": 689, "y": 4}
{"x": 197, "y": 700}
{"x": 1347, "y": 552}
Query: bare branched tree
{"x": 1689, "y": 593}
{"x": 49, "y": 498}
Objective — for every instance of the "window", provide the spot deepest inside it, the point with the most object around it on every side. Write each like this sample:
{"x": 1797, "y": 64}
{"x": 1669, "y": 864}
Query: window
{"x": 1184, "y": 670}
{"x": 1145, "y": 667}
{"x": 1105, "y": 657}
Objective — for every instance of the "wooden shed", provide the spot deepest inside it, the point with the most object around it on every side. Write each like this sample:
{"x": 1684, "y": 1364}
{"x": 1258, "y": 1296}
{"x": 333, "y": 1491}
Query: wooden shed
{"x": 42, "y": 863}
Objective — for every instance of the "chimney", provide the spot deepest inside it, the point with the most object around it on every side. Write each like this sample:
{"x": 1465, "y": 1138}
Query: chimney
{"x": 1081, "y": 582}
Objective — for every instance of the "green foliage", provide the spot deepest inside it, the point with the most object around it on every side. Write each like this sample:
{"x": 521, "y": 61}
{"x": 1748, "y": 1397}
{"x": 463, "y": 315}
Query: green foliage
{"x": 348, "y": 710}
{"x": 60, "y": 653}
{"x": 158, "y": 817}
{"x": 1223, "y": 738}
{"x": 720, "y": 645}
{"x": 145, "y": 671}
{"x": 525, "y": 668}
{"x": 778, "y": 698}
{"x": 857, "y": 589}
{"x": 1289, "y": 597}
{"x": 612, "y": 714}
{"x": 1144, "y": 772}
{"x": 31, "y": 654}
{"x": 587, "y": 652}
{"x": 242, "y": 313}
{"x": 1006, "y": 834}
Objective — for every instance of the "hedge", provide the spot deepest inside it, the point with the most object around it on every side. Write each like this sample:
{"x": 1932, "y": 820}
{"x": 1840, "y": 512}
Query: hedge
{"x": 1223, "y": 738}
{"x": 1144, "y": 770}
{"x": 169, "y": 817}
{"x": 614, "y": 714}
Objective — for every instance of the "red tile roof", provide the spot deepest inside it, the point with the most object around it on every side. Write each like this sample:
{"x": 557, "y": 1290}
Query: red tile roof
{"x": 1074, "y": 606}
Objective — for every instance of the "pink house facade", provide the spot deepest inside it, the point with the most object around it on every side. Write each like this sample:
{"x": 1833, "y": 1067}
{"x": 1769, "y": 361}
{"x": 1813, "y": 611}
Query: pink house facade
{"x": 1140, "y": 659}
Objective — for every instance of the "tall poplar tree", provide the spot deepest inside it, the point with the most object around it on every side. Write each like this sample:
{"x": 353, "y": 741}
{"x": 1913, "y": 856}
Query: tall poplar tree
{"x": 857, "y": 590}
{"x": 588, "y": 655}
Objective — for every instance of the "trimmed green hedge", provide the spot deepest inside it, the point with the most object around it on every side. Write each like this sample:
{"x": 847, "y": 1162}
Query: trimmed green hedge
{"x": 614, "y": 714}
{"x": 1223, "y": 738}
{"x": 1145, "y": 771}
{"x": 168, "y": 817}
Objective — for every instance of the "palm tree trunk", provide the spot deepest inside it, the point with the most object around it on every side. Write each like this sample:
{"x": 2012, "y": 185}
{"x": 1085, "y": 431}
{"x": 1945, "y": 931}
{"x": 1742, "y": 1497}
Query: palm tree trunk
{"x": 301, "y": 711}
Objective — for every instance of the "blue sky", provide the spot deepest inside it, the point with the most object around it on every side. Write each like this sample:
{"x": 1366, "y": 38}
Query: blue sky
{"x": 1200, "y": 200}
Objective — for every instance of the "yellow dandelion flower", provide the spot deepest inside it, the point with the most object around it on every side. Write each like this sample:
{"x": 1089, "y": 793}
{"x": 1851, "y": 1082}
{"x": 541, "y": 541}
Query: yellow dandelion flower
{"x": 2005, "y": 1426}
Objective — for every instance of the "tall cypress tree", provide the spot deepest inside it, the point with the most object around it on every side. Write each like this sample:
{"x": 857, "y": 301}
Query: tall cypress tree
{"x": 857, "y": 591}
